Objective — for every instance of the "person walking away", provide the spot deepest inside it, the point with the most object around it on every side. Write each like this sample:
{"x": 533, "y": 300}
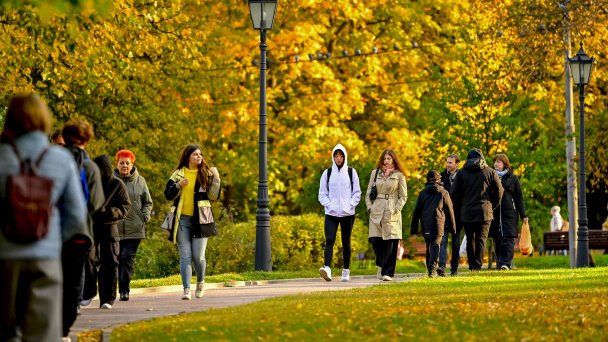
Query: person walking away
{"x": 192, "y": 183}
{"x": 504, "y": 225}
{"x": 31, "y": 286}
{"x": 339, "y": 194}
{"x": 557, "y": 224}
{"x": 434, "y": 210}
{"x": 447, "y": 178}
{"x": 105, "y": 232}
{"x": 476, "y": 191}
{"x": 385, "y": 222}
{"x": 77, "y": 133}
{"x": 132, "y": 229}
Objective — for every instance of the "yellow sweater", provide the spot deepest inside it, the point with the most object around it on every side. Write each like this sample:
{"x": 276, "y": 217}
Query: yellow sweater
{"x": 188, "y": 192}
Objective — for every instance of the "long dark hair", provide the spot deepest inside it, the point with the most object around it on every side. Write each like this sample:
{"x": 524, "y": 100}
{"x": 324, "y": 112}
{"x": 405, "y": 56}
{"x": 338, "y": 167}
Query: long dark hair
{"x": 395, "y": 160}
{"x": 203, "y": 168}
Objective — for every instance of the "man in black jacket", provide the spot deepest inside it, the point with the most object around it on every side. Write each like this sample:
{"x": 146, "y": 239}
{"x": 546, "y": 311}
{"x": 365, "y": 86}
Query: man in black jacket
{"x": 434, "y": 209}
{"x": 476, "y": 191}
{"x": 447, "y": 178}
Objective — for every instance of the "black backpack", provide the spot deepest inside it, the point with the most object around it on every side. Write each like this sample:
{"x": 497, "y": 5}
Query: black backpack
{"x": 350, "y": 176}
{"x": 26, "y": 215}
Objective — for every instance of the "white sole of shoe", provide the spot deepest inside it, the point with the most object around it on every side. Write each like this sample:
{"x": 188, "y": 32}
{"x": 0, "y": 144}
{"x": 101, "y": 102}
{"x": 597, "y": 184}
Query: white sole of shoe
{"x": 324, "y": 274}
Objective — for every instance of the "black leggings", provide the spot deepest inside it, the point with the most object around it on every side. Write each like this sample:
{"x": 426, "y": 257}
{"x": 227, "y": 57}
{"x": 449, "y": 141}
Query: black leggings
{"x": 331, "y": 229}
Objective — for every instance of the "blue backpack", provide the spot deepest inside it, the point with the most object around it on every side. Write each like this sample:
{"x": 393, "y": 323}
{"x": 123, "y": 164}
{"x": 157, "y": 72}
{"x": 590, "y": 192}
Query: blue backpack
{"x": 83, "y": 183}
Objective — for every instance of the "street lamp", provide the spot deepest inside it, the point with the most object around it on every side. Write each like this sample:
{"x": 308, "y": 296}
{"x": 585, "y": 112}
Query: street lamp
{"x": 581, "y": 67}
{"x": 262, "y": 16}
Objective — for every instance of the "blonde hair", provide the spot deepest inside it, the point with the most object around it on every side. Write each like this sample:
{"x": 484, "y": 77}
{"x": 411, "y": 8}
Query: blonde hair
{"x": 26, "y": 113}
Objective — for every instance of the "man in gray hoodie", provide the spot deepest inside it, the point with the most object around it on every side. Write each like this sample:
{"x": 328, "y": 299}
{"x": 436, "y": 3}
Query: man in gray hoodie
{"x": 339, "y": 193}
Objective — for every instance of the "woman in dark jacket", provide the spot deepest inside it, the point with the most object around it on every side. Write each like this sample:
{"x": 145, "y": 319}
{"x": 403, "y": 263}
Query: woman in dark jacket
{"x": 190, "y": 187}
{"x": 434, "y": 209}
{"x": 105, "y": 232}
{"x": 504, "y": 225}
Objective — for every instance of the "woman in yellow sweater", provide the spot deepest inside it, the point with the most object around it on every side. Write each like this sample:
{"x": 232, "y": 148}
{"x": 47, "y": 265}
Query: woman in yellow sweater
{"x": 192, "y": 184}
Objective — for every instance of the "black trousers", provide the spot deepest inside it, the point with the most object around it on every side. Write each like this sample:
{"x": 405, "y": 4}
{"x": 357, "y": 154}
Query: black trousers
{"x": 105, "y": 254}
{"x": 386, "y": 254}
{"x": 477, "y": 234}
{"x": 126, "y": 263}
{"x": 432, "y": 252}
{"x": 443, "y": 251}
{"x": 504, "y": 249}
{"x": 73, "y": 257}
{"x": 331, "y": 230}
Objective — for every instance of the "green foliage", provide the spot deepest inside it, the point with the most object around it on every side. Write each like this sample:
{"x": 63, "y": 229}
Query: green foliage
{"x": 514, "y": 306}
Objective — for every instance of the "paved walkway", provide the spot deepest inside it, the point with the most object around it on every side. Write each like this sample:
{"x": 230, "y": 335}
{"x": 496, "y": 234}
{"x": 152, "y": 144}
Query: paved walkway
{"x": 149, "y": 303}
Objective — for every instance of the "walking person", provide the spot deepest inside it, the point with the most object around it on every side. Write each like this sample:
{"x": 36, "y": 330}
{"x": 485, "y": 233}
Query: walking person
{"x": 434, "y": 210}
{"x": 385, "y": 222}
{"x": 105, "y": 232}
{"x": 132, "y": 229}
{"x": 192, "y": 184}
{"x": 476, "y": 191}
{"x": 31, "y": 286}
{"x": 447, "y": 178}
{"x": 77, "y": 133}
{"x": 504, "y": 225}
{"x": 339, "y": 193}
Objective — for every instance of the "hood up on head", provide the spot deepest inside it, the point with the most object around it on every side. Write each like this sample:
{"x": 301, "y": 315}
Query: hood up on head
{"x": 105, "y": 166}
{"x": 475, "y": 160}
{"x": 333, "y": 152}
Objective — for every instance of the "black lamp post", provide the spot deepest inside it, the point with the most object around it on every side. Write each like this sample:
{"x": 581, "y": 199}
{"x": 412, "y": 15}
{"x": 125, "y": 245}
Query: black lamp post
{"x": 581, "y": 67}
{"x": 262, "y": 16}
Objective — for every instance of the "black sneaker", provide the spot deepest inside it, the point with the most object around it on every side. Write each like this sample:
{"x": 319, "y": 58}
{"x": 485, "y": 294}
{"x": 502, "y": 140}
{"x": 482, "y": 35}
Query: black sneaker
{"x": 441, "y": 272}
{"x": 124, "y": 297}
{"x": 453, "y": 273}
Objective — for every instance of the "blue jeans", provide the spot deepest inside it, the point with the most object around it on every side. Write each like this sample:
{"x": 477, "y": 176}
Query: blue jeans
{"x": 443, "y": 251}
{"x": 190, "y": 250}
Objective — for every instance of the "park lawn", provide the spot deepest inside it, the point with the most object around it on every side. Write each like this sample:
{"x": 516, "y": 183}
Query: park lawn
{"x": 403, "y": 267}
{"x": 522, "y": 305}
{"x": 553, "y": 261}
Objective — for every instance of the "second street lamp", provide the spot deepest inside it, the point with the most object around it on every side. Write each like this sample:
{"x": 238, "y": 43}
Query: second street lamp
{"x": 262, "y": 15}
{"x": 581, "y": 67}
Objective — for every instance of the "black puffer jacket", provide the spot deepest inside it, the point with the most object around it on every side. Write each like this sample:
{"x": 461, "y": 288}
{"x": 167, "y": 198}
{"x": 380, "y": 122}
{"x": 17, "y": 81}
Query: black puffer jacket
{"x": 434, "y": 209}
{"x": 476, "y": 189}
{"x": 117, "y": 205}
{"x": 512, "y": 204}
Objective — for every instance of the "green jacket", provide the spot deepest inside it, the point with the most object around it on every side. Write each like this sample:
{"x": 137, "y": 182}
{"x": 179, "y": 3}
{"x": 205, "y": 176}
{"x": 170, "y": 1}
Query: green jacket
{"x": 134, "y": 225}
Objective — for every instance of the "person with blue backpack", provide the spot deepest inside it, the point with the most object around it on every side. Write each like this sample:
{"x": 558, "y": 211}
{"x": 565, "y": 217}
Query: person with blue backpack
{"x": 339, "y": 194}
{"x": 77, "y": 133}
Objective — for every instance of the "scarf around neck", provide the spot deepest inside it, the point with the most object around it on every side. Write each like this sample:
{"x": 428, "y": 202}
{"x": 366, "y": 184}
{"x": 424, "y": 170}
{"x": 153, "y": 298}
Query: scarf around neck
{"x": 387, "y": 170}
{"x": 502, "y": 173}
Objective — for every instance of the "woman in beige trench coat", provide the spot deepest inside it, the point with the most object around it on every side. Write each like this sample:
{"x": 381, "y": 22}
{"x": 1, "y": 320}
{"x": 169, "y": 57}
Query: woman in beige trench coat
{"x": 385, "y": 212}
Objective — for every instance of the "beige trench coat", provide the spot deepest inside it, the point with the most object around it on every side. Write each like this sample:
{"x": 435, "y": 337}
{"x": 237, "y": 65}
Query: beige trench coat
{"x": 385, "y": 212}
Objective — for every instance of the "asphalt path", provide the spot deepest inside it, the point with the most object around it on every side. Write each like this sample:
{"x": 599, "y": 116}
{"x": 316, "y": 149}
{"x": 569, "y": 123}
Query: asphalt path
{"x": 154, "y": 302}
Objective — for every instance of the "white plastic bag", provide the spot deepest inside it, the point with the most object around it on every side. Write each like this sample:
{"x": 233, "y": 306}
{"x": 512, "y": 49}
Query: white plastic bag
{"x": 463, "y": 247}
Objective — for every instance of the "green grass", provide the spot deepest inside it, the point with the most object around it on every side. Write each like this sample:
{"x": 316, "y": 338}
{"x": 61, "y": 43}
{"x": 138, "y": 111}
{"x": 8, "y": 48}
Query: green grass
{"x": 403, "y": 266}
{"x": 522, "y": 305}
{"x": 557, "y": 261}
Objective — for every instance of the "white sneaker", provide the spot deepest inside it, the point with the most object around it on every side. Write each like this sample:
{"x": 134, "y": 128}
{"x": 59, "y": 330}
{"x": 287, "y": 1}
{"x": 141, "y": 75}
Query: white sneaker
{"x": 379, "y": 273}
{"x": 200, "y": 290}
{"x": 325, "y": 272}
{"x": 86, "y": 302}
{"x": 387, "y": 278}
{"x": 106, "y": 306}
{"x": 345, "y": 275}
{"x": 186, "y": 295}
{"x": 66, "y": 339}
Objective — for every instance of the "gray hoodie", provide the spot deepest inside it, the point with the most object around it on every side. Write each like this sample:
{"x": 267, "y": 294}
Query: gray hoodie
{"x": 337, "y": 197}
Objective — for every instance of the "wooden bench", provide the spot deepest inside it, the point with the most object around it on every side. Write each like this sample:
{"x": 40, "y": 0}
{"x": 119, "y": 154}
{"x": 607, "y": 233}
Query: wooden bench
{"x": 598, "y": 239}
